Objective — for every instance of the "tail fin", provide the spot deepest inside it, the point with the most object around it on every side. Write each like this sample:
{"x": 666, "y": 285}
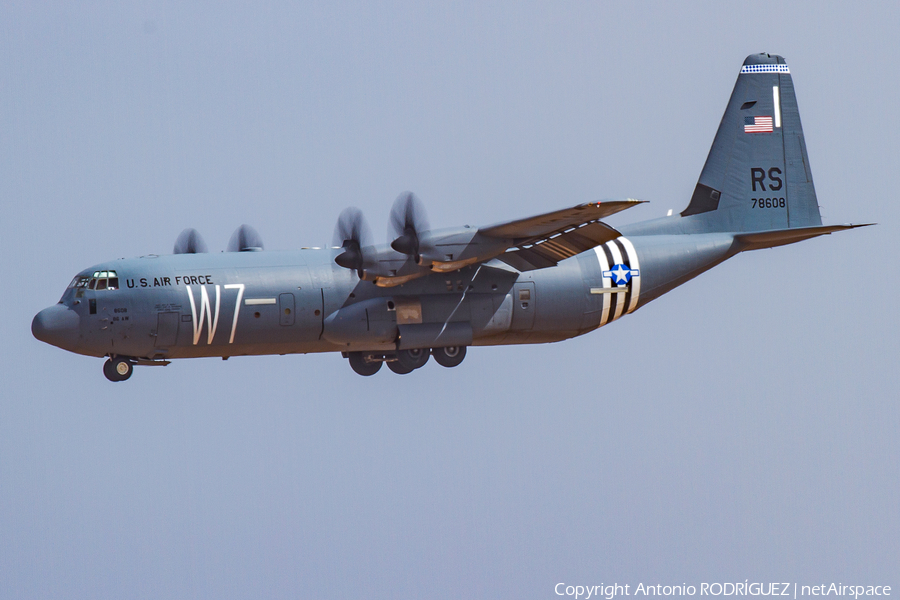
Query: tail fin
{"x": 757, "y": 175}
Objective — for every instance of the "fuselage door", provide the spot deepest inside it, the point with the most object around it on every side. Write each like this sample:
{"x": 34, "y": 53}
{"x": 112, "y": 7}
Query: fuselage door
{"x": 167, "y": 329}
{"x": 286, "y": 309}
{"x": 309, "y": 298}
{"x": 523, "y": 305}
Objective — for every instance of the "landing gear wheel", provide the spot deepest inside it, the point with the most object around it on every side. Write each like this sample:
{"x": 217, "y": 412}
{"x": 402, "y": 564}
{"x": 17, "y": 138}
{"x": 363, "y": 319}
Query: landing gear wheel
{"x": 450, "y": 356}
{"x": 109, "y": 371}
{"x": 118, "y": 369}
{"x": 399, "y": 368}
{"x": 363, "y": 367}
{"x": 413, "y": 359}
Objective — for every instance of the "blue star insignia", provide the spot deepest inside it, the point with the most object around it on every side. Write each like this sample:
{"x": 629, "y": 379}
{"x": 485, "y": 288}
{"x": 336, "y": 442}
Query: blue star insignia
{"x": 621, "y": 274}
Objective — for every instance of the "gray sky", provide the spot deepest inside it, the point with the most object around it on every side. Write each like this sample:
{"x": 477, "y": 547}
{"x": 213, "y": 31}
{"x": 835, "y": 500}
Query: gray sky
{"x": 743, "y": 426}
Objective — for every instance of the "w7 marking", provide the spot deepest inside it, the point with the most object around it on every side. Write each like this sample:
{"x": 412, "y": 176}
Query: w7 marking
{"x": 212, "y": 315}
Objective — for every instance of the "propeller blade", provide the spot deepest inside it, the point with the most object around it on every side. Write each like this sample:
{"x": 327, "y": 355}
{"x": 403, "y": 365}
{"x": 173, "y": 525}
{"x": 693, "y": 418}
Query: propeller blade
{"x": 190, "y": 242}
{"x": 407, "y": 222}
{"x": 352, "y": 234}
{"x": 351, "y": 225}
{"x": 245, "y": 239}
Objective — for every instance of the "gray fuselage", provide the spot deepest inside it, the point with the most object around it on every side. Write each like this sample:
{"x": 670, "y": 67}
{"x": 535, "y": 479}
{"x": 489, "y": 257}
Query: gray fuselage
{"x": 253, "y": 303}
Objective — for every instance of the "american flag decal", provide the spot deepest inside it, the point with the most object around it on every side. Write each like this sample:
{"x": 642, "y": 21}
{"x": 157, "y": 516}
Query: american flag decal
{"x": 757, "y": 124}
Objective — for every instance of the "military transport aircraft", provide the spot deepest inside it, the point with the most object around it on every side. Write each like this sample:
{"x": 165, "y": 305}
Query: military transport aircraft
{"x": 435, "y": 292}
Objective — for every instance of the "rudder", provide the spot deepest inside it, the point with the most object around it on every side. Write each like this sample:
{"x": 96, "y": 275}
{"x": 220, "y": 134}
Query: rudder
{"x": 757, "y": 175}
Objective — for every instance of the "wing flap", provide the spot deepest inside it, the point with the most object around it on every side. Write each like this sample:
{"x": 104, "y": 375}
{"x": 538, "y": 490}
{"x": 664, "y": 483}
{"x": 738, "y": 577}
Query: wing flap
{"x": 549, "y": 251}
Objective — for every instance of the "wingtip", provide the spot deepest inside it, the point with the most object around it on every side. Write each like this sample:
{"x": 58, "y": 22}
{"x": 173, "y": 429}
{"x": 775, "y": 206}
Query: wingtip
{"x": 624, "y": 200}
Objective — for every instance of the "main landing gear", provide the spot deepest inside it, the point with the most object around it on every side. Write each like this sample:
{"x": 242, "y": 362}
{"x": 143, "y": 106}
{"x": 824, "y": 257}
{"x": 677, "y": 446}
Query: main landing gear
{"x": 118, "y": 368}
{"x": 364, "y": 364}
{"x": 450, "y": 356}
{"x": 405, "y": 361}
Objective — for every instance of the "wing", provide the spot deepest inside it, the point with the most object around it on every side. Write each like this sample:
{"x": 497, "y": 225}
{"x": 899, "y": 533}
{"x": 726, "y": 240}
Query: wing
{"x": 525, "y": 244}
{"x": 543, "y": 226}
{"x": 544, "y": 240}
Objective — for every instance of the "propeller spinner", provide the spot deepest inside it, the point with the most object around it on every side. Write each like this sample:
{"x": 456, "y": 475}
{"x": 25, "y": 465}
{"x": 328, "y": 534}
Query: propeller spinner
{"x": 190, "y": 242}
{"x": 245, "y": 239}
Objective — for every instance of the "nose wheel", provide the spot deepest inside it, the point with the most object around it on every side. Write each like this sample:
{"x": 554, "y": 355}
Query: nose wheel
{"x": 118, "y": 368}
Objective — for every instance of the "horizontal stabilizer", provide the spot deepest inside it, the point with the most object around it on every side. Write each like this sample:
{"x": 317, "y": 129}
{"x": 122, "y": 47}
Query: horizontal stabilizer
{"x": 780, "y": 237}
{"x": 542, "y": 226}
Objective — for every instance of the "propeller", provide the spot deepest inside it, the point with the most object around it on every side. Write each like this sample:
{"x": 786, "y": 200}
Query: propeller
{"x": 244, "y": 239}
{"x": 352, "y": 234}
{"x": 190, "y": 242}
{"x": 406, "y": 223}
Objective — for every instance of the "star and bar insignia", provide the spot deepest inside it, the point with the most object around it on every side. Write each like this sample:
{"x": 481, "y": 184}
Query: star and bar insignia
{"x": 621, "y": 274}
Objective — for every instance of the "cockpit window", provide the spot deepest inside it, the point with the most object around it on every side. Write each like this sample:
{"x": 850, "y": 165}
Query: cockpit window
{"x": 100, "y": 280}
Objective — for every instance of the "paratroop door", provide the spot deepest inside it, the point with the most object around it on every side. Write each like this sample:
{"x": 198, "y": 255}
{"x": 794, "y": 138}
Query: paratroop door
{"x": 167, "y": 329}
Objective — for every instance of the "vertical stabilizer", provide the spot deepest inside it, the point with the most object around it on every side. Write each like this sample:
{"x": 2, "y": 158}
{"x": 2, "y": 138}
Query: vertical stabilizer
{"x": 757, "y": 175}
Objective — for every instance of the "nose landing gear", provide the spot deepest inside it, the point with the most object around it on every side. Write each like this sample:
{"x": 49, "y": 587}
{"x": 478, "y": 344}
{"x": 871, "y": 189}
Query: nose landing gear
{"x": 118, "y": 368}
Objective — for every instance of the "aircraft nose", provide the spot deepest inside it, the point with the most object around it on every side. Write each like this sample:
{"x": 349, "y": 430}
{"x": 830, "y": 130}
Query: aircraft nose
{"x": 56, "y": 325}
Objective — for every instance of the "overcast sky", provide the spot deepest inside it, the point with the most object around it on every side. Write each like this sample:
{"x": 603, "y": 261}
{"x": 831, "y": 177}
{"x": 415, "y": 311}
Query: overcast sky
{"x": 745, "y": 426}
